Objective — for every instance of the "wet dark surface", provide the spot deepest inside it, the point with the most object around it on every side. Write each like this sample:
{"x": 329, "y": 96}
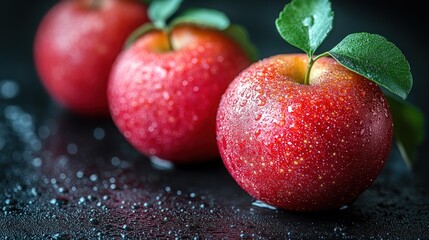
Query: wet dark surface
{"x": 64, "y": 177}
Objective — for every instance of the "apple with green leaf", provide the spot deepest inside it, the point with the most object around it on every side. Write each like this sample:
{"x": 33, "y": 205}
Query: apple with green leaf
{"x": 304, "y": 132}
{"x": 164, "y": 89}
{"x": 75, "y": 46}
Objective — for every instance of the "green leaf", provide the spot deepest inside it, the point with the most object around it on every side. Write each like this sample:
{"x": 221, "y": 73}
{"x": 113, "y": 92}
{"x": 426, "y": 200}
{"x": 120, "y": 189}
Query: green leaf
{"x": 139, "y": 32}
{"x": 205, "y": 17}
{"x": 377, "y": 59}
{"x": 160, "y": 10}
{"x": 239, "y": 34}
{"x": 408, "y": 128}
{"x": 305, "y": 23}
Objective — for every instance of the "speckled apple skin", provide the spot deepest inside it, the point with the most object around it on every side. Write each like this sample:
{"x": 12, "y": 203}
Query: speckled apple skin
{"x": 76, "y": 45}
{"x": 165, "y": 102}
{"x": 303, "y": 147}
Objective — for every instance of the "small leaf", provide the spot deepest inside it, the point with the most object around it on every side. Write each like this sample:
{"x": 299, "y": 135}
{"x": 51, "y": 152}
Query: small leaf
{"x": 408, "y": 128}
{"x": 138, "y": 32}
{"x": 239, "y": 34}
{"x": 305, "y": 23}
{"x": 160, "y": 10}
{"x": 377, "y": 59}
{"x": 205, "y": 17}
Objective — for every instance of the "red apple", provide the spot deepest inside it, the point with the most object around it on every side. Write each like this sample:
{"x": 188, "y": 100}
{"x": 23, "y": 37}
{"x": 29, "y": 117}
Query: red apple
{"x": 303, "y": 147}
{"x": 76, "y": 45}
{"x": 165, "y": 89}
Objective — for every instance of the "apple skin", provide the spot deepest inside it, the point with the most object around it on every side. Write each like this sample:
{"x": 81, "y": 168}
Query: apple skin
{"x": 75, "y": 46}
{"x": 303, "y": 147}
{"x": 165, "y": 101}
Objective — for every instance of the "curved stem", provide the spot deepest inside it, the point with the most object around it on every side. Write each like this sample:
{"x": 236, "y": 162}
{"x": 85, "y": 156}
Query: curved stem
{"x": 307, "y": 73}
{"x": 168, "y": 31}
{"x": 311, "y": 61}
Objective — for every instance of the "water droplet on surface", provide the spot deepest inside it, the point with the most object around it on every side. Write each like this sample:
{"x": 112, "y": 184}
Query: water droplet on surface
{"x": 8, "y": 89}
{"x": 161, "y": 164}
{"x": 94, "y": 221}
{"x": 93, "y": 177}
{"x": 58, "y": 201}
{"x": 308, "y": 21}
{"x": 115, "y": 161}
{"x": 126, "y": 227}
{"x": 99, "y": 133}
{"x": 72, "y": 148}
{"x": 9, "y": 201}
{"x": 37, "y": 162}
{"x": 261, "y": 204}
{"x": 79, "y": 174}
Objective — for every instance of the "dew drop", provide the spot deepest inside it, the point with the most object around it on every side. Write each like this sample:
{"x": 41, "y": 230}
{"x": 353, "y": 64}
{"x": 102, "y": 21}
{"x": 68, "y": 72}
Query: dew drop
{"x": 72, "y": 148}
{"x": 99, "y": 133}
{"x": 8, "y": 89}
{"x": 79, "y": 174}
{"x": 115, "y": 161}
{"x": 308, "y": 21}
{"x": 94, "y": 221}
{"x": 93, "y": 177}
{"x": 37, "y": 162}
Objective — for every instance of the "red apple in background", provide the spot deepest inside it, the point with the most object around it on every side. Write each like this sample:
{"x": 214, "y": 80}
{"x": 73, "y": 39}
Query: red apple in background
{"x": 165, "y": 89}
{"x": 76, "y": 45}
{"x": 303, "y": 147}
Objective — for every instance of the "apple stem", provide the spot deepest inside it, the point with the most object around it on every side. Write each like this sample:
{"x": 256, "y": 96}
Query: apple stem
{"x": 307, "y": 73}
{"x": 168, "y": 33}
{"x": 311, "y": 61}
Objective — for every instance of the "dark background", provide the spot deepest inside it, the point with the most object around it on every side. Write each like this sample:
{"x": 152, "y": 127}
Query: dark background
{"x": 46, "y": 201}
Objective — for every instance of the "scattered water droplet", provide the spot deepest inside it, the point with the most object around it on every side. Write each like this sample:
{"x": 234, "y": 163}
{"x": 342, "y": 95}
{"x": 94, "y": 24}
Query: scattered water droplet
{"x": 93, "y": 177}
{"x": 8, "y": 89}
{"x": 115, "y": 161}
{"x": 126, "y": 227}
{"x": 161, "y": 164}
{"x": 37, "y": 162}
{"x": 58, "y": 201}
{"x": 99, "y": 133}
{"x": 9, "y": 201}
{"x": 72, "y": 148}
{"x": 261, "y": 204}
{"x": 94, "y": 221}
{"x": 79, "y": 174}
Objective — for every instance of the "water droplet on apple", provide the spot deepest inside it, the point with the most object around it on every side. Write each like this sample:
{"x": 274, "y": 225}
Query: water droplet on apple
{"x": 308, "y": 21}
{"x": 243, "y": 103}
{"x": 262, "y": 102}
